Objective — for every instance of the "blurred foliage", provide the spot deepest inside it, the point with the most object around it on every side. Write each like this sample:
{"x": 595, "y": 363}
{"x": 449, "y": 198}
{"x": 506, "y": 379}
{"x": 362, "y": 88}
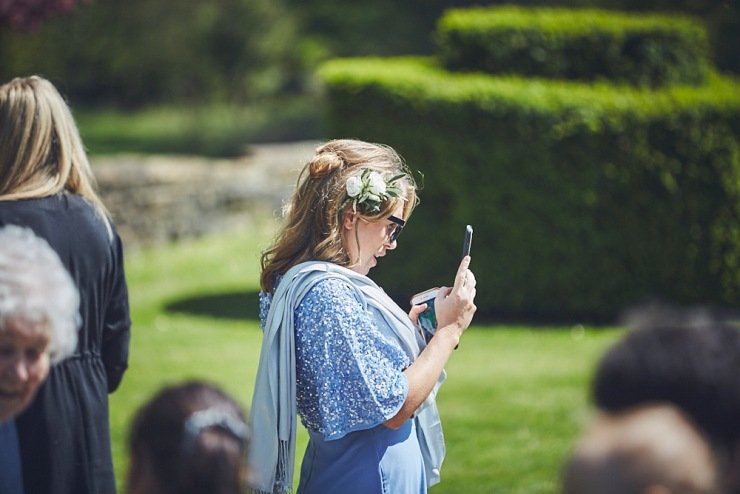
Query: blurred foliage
{"x": 721, "y": 17}
{"x": 371, "y": 27}
{"x": 143, "y": 52}
{"x": 213, "y": 75}
{"x": 387, "y": 27}
{"x": 29, "y": 14}
{"x": 206, "y": 130}
{"x": 149, "y": 51}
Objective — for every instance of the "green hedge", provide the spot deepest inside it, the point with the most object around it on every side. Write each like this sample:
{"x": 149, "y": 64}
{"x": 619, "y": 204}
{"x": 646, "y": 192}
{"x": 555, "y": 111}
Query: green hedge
{"x": 585, "y": 199}
{"x": 645, "y": 50}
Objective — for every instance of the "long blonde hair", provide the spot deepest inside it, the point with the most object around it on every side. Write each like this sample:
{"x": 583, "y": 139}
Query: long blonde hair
{"x": 41, "y": 152}
{"x": 313, "y": 218}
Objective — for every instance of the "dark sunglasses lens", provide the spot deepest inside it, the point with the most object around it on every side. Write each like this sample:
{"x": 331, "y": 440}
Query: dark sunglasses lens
{"x": 397, "y": 224}
{"x": 396, "y": 232}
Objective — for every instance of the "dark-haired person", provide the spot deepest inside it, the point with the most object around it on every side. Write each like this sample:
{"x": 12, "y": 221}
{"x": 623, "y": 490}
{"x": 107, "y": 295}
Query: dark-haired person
{"x": 688, "y": 358}
{"x": 189, "y": 438}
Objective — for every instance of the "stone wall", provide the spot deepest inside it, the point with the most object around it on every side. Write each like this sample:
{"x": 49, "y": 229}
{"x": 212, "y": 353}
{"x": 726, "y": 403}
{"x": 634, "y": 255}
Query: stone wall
{"x": 159, "y": 199}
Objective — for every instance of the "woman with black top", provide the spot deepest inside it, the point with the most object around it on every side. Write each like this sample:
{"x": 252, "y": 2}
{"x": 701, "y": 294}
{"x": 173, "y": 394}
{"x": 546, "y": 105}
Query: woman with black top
{"x": 46, "y": 184}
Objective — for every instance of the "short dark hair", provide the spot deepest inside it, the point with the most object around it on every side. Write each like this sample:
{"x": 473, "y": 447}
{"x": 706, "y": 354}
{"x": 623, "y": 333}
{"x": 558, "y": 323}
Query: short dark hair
{"x": 688, "y": 357}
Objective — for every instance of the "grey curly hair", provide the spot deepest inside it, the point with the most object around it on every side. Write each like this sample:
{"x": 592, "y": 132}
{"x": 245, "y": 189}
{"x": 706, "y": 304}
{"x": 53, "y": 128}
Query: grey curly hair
{"x": 35, "y": 286}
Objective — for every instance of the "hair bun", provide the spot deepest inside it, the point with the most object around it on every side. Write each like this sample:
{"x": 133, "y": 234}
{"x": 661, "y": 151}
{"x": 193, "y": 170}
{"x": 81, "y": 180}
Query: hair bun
{"x": 325, "y": 161}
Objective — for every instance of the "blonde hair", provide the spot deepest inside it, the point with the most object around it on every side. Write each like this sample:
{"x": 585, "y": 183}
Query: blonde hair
{"x": 36, "y": 287}
{"x": 313, "y": 218}
{"x": 41, "y": 152}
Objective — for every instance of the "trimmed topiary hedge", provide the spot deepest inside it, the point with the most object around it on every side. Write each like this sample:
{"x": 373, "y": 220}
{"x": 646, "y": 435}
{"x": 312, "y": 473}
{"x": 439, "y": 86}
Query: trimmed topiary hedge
{"x": 644, "y": 50}
{"x": 585, "y": 198}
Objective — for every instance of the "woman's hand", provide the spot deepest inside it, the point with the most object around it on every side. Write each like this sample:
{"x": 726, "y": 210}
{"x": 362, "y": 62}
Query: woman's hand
{"x": 416, "y": 311}
{"x": 454, "y": 306}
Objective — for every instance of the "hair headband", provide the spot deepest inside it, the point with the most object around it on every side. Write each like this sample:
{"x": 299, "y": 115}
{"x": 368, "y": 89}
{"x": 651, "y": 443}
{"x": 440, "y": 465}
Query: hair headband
{"x": 211, "y": 417}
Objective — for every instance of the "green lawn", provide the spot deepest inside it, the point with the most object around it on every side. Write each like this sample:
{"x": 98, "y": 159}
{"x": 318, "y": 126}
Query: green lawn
{"x": 212, "y": 130}
{"x": 513, "y": 403}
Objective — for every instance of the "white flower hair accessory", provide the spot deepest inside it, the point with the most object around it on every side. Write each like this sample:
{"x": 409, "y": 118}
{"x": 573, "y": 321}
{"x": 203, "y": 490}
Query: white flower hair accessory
{"x": 368, "y": 190}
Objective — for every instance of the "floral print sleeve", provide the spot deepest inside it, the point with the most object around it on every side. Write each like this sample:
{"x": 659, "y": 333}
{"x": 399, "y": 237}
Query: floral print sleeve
{"x": 349, "y": 376}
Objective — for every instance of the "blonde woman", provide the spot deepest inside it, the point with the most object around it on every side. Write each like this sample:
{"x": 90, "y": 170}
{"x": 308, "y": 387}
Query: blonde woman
{"x": 46, "y": 184}
{"x": 336, "y": 349}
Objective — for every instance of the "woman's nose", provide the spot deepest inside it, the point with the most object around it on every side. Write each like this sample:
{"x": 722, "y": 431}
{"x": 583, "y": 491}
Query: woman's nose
{"x": 18, "y": 369}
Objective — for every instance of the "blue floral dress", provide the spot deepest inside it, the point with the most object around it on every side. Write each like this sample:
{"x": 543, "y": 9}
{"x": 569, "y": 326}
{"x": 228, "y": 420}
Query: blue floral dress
{"x": 349, "y": 382}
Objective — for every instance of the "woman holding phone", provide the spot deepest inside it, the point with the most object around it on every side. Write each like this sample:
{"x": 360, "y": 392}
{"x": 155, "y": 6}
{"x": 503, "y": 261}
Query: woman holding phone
{"x": 336, "y": 349}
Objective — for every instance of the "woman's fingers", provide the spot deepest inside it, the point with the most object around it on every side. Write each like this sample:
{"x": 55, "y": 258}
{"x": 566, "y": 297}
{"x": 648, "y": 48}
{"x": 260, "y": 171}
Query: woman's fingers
{"x": 465, "y": 279}
{"x": 415, "y": 311}
{"x": 462, "y": 270}
{"x": 444, "y": 292}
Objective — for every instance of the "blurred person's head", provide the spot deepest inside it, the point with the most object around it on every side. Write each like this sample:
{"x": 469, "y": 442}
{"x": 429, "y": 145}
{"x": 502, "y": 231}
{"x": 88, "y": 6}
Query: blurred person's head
{"x": 346, "y": 183}
{"x": 688, "y": 358}
{"x": 39, "y": 316}
{"x": 189, "y": 438}
{"x": 648, "y": 450}
{"x": 41, "y": 152}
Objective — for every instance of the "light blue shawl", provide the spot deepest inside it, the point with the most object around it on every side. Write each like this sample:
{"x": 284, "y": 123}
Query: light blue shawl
{"x": 273, "y": 412}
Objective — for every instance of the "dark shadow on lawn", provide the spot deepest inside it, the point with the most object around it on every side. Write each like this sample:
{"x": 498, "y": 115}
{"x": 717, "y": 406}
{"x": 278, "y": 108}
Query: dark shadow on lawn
{"x": 241, "y": 306}
{"x": 234, "y": 305}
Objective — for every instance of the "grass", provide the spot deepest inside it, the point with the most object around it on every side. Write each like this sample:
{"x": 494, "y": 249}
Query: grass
{"x": 214, "y": 130}
{"x": 512, "y": 406}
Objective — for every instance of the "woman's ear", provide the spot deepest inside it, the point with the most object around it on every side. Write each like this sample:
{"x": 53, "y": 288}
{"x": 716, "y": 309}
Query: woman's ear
{"x": 350, "y": 219}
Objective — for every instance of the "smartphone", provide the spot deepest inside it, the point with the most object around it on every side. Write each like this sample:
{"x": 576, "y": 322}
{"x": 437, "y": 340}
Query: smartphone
{"x": 428, "y": 318}
{"x": 467, "y": 241}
